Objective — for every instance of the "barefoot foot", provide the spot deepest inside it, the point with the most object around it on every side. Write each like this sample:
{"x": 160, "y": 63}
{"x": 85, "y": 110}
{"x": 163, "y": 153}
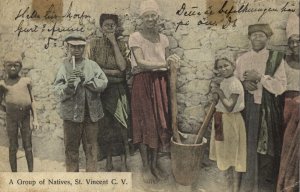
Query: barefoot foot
{"x": 159, "y": 173}
{"x": 148, "y": 177}
{"x": 109, "y": 166}
{"x": 124, "y": 168}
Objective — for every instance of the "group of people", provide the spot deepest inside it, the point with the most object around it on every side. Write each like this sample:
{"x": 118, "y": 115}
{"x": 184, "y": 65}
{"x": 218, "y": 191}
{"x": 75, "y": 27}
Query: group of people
{"x": 255, "y": 133}
{"x": 93, "y": 91}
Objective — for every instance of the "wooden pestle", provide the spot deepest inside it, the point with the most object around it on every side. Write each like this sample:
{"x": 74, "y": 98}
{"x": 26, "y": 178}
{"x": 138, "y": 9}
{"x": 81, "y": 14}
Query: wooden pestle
{"x": 205, "y": 123}
{"x": 173, "y": 97}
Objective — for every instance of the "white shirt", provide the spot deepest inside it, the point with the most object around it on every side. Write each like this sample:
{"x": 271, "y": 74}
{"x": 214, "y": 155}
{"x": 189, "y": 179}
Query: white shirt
{"x": 229, "y": 86}
{"x": 293, "y": 78}
{"x": 257, "y": 61}
{"x": 152, "y": 51}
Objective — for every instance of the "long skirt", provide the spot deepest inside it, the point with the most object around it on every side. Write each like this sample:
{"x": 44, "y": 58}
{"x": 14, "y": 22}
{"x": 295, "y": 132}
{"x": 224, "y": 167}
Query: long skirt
{"x": 288, "y": 179}
{"x": 114, "y": 126}
{"x": 231, "y": 152}
{"x": 150, "y": 111}
{"x": 260, "y": 167}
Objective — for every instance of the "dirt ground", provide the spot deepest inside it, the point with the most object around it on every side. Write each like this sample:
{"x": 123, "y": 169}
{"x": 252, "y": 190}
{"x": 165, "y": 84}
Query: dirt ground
{"x": 49, "y": 157}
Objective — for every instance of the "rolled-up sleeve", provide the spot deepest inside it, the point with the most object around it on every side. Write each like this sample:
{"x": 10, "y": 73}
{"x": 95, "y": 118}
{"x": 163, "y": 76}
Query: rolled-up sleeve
{"x": 276, "y": 84}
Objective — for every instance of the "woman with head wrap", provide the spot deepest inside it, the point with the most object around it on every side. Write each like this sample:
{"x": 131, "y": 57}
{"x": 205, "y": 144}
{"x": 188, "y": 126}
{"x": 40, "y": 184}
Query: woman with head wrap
{"x": 149, "y": 100}
{"x": 288, "y": 179}
{"x": 109, "y": 52}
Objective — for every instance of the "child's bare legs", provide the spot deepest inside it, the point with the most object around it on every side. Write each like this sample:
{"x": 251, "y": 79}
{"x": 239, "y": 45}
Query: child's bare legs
{"x": 29, "y": 158}
{"x": 26, "y": 134}
{"x": 13, "y": 160}
{"x": 229, "y": 179}
{"x": 156, "y": 169}
{"x": 148, "y": 177}
{"x": 12, "y": 133}
{"x": 233, "y": 180}
{"x": 236, "y": 181}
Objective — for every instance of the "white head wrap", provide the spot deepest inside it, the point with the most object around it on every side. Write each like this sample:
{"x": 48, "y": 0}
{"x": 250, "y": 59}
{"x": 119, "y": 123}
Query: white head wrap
{"x": 292, "y": 26}
{"x": 149, "y": 5}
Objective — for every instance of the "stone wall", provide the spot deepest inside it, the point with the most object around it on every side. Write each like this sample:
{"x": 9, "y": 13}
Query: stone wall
{"x": 197, "y": 45}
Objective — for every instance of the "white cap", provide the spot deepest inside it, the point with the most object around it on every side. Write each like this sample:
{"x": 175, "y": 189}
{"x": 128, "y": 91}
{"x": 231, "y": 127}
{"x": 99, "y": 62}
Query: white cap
{"x": 149, "y": 5}
{"x": 292, "y": 27}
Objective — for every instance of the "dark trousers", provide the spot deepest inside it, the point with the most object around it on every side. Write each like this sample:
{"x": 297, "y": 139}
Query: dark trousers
{"x": 74, "y": 133}
{"x": 19, "y": 117}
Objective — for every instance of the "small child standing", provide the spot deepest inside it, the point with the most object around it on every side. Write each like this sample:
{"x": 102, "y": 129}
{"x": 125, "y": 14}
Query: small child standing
{"x": 228, "y": 138}
{"x": 19, "y": 102}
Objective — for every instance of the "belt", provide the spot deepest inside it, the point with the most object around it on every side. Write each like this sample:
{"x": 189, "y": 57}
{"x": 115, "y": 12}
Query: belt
{"x": 291, "y": 94}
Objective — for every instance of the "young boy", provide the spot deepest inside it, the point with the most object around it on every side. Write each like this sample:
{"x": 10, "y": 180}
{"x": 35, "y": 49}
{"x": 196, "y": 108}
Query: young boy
{"x": 19, "y": 102}
{"x": 79, "y": 82}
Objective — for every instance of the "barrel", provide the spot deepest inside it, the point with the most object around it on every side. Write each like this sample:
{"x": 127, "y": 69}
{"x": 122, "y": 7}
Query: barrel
{"x": 186, "y": 160}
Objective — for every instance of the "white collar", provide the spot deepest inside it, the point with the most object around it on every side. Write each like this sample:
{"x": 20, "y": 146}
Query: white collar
{"x": 263, "y": 51}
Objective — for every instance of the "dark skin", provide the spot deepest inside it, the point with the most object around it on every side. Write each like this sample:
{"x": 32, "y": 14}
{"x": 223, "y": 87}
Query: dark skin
{"x": 152, "y": 172}
{"x": 12, "y": 70}
{"x": 226, "y": 70}
{"x": 77, "y": 51}
{"x": 293, "y": 58}
{"x": 259, "y": 41}
{"x": 108, "y": 28}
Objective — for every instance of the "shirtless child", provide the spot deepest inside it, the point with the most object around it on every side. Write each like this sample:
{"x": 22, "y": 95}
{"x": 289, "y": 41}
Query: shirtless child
{"x": 19, "y": 102}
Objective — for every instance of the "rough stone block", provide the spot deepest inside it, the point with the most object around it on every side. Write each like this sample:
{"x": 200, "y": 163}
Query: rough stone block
{"x": 196, "y": 86}
{"x": 190, "y": 41}
{"x": 199, "y": 55}
{"x": 172, "y": 42}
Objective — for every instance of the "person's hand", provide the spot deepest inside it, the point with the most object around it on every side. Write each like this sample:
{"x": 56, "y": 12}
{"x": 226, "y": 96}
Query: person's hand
{"x": 79, "y": 74}
{"x": 249, "y": 85}
{"x": 2, "y": 85}
{"x": 216, "y": 81}
{"x": 35, "y": 125}
{"x": 111, "y": 37}
{"x": 173, "y": 60}
{"x": 217, "y": 90}
{"x": 2, "y": 108}
{"x": 71, "y": 81}
{"x": 215, "y": 97}
{"x": 90, "y": 87}
{"x": 252, "y": 75}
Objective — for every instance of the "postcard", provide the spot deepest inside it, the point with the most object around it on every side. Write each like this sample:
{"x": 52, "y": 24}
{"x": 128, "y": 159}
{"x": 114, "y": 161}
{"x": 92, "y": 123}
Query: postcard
{"x": 149, "y": 95}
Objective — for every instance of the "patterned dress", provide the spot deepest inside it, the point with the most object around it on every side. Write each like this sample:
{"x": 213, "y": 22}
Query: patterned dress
{"x": 114, "y": 127}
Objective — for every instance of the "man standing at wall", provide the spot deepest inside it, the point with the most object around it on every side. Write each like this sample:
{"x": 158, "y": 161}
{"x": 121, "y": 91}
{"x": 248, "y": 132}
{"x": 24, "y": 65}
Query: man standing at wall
{"x": 79, "y": 83}
{"x": 263, "y": 76}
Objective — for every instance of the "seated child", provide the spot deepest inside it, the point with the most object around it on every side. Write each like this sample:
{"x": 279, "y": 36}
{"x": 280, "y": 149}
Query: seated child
{"x": 19, "y": 102}
{"x": 228, "y": 139}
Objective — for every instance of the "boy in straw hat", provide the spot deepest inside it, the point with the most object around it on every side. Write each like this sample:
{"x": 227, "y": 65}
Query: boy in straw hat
{"x": 79, "y": 83}
{"x": 19, "y": 103}
{"x": 263, "y": 76}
